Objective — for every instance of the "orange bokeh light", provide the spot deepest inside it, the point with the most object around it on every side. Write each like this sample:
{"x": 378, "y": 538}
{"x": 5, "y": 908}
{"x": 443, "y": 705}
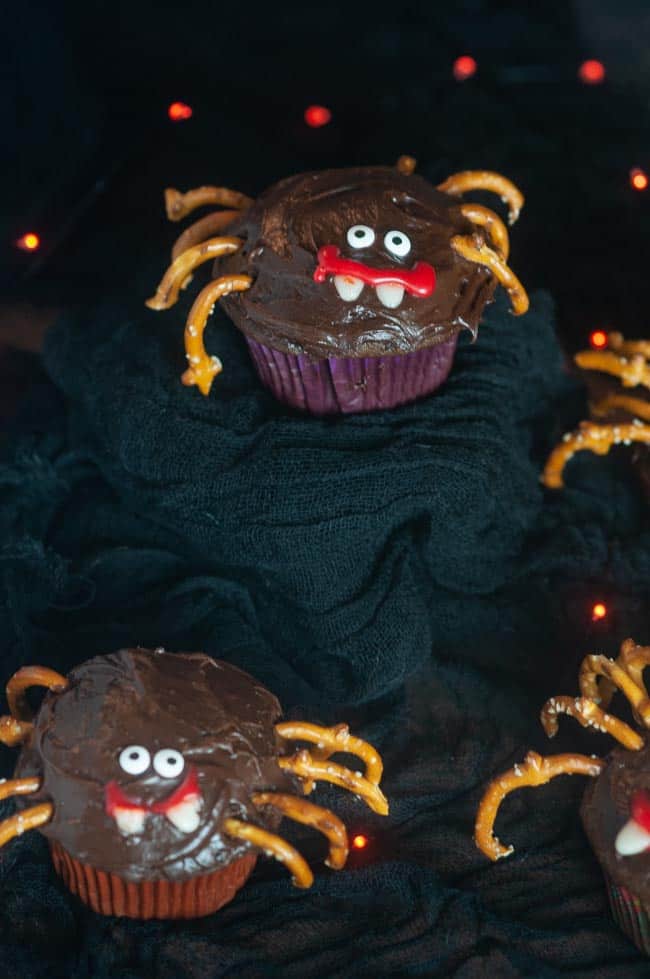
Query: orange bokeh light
{"x": 464, "y": 67}
{"x": 317, "y": 116}
{"x": 592, "y": 72}
{"x": 179, "y": 111}
{"x": 359, "y": 841}
{"x": 29, "y": 242}
{"x": 598, "y": 339}
{"x": 638, "y": 179}
{"x": 599, "y": 611}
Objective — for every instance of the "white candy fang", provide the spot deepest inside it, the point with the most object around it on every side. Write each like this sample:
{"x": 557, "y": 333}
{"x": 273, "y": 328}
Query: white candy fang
{"x": 390, "y": 295}
{"x": 632, "y": 839}
{"x": 348, "y": 287}
{"x": 185, "y": 816}
{"x": 130, "y": 821}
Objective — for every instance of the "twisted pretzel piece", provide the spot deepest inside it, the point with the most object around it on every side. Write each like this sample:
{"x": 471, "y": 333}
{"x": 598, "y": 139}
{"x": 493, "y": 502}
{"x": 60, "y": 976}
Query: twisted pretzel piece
{"x": 308, "y": 814}
{"x": 19, "y": 823}
{"x": 483, "y": 217}
{"x": 180, "y": 271}
{"x": 305, "y": 767}
{"x": 273, "y": 846}
{"x": 202, "y": 368}
{"x": 535, "y": 770}
{"x": 31, "y": 676}
{"x": 632, "y": 370}
{"x": 204, "y": 228}
{"x": 587, "y": 713}
{"x": 466, "y": 247}
{"x": 178, "y": 205}
{"x": 460, "y": 183}
{"x": 590, "y": 437}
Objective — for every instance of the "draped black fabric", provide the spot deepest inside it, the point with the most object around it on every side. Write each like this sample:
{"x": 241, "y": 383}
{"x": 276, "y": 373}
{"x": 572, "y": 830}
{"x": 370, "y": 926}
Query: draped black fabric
{"x": 402, "y": 571}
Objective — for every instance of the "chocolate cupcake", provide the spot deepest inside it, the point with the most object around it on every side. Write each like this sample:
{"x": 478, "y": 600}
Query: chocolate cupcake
{"x": 350, "y": 286}
{"x": 617, "y": 377}
{"x": 616, "y": 806}
{"x": 157, "y": 778}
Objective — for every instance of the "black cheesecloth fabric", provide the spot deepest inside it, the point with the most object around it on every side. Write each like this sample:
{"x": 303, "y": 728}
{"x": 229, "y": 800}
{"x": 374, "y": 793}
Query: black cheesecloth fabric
{"x": 403, "y": 571}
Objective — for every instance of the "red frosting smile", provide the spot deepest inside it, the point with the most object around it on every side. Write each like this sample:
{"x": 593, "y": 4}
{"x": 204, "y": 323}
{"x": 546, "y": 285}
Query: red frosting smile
{"x": 116, "y": 798}
{"x": 418, "y": 281}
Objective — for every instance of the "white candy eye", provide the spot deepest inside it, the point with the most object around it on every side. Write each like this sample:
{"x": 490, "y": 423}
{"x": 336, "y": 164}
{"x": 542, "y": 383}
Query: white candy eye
{"x": 135, "y": 759}
{"x": 168, "y": 762}
{"x": 397, "y": 243}
{"x": 360, "y": 236}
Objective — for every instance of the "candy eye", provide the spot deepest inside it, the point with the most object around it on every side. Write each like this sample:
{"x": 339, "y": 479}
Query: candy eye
{"x": 360, "y": 236}
{"x": 397, "y": 243}
{"x": 168, "y": 762}
{"x": 135, "y": 759}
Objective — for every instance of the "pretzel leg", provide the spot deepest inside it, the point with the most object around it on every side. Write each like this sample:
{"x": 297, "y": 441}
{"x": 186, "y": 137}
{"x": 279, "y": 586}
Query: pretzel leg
{"x": 329, "y": 740}
{"x": 590, "y": 438}
{"x": 618, "y": 343}
{"x": 624, "y": 402}
{"x": 180, "y": 271}
{"x": 178, "y": 205}
{"x": 460, "y": 183}
{"x": 634, "y": 659}
{"x": 483, "y": 217}
{"x": 20, "y": 822}
{"x": 307, "y": 813}
{"x": 26, "y": 677}
{"x": 535, "y": 770}
{"x": 305, "y": 767}
{"x": 631, "y": 370}
{"x": 594, "y": 667}
{"x": 273, "y": 846}
{"x": 466, "y": 247}
{"x": 18, "y": 786}
{"x": 14, "y": 732}
{"x": 587, "y": 713}
{"x": 200, "y": 230}
{"x": 202, "y": 368}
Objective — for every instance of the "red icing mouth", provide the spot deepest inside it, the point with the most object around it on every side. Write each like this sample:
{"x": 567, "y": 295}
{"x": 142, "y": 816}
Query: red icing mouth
{"x": 418, "y": 281}
{"x": 640, "y": 809}
{"x": 116, "y": 798}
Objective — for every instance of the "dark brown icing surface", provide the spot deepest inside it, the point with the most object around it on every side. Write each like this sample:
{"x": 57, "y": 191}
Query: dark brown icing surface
{"x": 606, "y": 809}
{"x": 219, "y": 718}
{"x": 283, "y": 230}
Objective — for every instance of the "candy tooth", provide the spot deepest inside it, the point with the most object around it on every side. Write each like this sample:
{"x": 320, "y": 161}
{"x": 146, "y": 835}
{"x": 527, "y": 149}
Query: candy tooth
{"x": 390, "y": 295}
{"x": 185, "y": 816}
{"x": 348, "y": 287}
{"x": 130, "y": 821}
{"x": 632, "y": 839}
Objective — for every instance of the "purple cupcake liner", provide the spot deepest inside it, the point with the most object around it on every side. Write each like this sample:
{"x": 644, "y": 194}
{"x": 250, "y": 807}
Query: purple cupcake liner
{"x": 343, "y": 385}
{"x": 631, "y": 915}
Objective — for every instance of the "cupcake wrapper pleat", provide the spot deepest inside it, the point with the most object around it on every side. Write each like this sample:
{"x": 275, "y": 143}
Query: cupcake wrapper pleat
{"x": 631, "y": 915}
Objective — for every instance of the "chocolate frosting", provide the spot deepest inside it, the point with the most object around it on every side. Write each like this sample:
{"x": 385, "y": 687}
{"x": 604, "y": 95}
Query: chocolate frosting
{"x": 216, "y": 716}
{"x": 606, "y": 809}
{"x": 287, "y": 225}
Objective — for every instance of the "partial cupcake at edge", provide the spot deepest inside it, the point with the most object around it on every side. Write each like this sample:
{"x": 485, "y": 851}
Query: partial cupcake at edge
{"x": 350, "y": 286}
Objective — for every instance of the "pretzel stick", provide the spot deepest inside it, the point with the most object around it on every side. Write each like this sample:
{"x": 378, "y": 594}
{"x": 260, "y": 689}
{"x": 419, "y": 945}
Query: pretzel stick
{"x": 18, "y": 786}
{"x": 625, "y": 402}
{"x": 465, "y": 246}
{"x": 406, "y": 165}
{"x": 535, "y": 770}
{"x": 631, "y": 370}
{"x": 460, "y": 183}
{"x": 200, "y": 230}
{"x": 634, "y": 659}
{"x": 590, "y": 437}
{"x": 31, "y": 676}
{"x": 179, "y": 272}
{"x": 618, "y": 343}
{"x": 273, "y": 846}
{"x": 587, "y": 713}
{"x": 485, "y": 218}
{"x": 308, "y": 814}
{"x": 330, "y": 740}
{"x": 14, "y": 732}
{"x": 20, "y": 822}
{"x": 178, "y": 205}
{"x": 305, "y": 767}
{"x": 203, "y": 369}
{"x": 593, "y": 667}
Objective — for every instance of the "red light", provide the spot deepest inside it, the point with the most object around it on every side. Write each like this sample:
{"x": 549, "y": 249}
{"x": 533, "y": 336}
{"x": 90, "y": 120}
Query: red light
{"x": 179, "y": 111}
{"x": 29, "y": 242}
{"x": 598, "y": 339}
{"x": 317, "y": 116}
{"x": 360, "y": 841}
{"x": 464, "y": 67}
{"x": 591, "y": 72}
{"x": 638, "y": 179}
{"x": 599, "y": 611}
